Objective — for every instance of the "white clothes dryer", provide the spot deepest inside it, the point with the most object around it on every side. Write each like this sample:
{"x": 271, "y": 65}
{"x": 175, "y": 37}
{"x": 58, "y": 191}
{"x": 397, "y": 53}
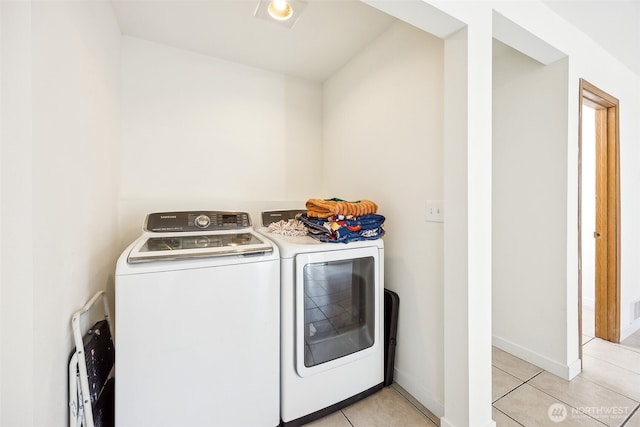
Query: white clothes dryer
{"x": 198, "y": 324}
{"x": 332, "y": 328}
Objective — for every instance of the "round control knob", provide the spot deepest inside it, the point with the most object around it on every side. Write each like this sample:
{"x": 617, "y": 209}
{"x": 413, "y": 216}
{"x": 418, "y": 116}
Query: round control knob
{"x": 202, "y": 221}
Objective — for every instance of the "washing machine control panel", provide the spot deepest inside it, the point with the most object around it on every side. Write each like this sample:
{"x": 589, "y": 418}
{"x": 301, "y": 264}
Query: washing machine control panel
{"x": 164, "y": 222}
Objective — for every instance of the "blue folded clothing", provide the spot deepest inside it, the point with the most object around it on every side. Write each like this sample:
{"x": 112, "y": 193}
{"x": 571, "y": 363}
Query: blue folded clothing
{"x": 340, "y": 229}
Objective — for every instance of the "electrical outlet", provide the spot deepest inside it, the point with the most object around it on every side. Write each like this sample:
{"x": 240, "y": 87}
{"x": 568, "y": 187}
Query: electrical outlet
{"x": 435, "y": 211}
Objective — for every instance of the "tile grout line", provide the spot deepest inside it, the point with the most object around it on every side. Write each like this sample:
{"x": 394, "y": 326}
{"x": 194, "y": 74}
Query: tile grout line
{"x": 630, "y": 348}
{"x": 414, "y": 405}
{"x": 605, "y": 385}
{"x": 592, "y": 382}
{"x": 560, "y": 400}
{"x": 612, "y": 364}
{"x": 619, "y": 347}
{"x": 507, "y": 415}
{"x": 588, "y": 341}
{"x": 624, "y": 423}
{"x": 607, "y": 388}
{"x": 534, "y": 376}
{"x": 636, "y": 409}
{"x": 508, "y": 392}
{"x": 544, "y": 392}
{"x": 347, "y": 418}
{"x": 513, "y": 389}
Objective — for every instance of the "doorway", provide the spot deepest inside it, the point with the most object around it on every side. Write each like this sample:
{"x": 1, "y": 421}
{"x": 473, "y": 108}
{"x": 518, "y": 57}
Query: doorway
{"x": 599, "y": 210}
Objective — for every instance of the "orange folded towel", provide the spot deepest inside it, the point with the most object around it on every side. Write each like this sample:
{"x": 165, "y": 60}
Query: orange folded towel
{"x": 324, "y": 208}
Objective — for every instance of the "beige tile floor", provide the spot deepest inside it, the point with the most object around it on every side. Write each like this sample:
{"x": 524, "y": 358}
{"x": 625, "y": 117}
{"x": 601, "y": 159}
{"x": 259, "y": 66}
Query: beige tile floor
{"x": 391, "y": 406}
{"x": 606, "y": 393}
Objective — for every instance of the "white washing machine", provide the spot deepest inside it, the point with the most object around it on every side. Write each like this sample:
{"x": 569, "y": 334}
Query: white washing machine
{"x": 332, "y": 328}
{"x": 198, "y": 324}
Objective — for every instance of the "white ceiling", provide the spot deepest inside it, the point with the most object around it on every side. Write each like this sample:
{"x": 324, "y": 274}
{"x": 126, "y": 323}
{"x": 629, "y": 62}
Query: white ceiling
{"x": 613, "y": 24}
{"x": 330, "y": 32}
{"x": 327, "y": 34}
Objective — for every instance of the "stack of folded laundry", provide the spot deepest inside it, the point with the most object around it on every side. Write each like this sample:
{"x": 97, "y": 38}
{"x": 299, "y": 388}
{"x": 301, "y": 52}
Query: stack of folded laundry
{"x": 336, "y": 220}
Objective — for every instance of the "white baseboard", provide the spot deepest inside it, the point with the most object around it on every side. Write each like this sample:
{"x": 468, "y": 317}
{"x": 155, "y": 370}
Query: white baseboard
{"x": 423, "y": 395}
{"x": 557, "y": 368}
{"x": 629, "y": 330}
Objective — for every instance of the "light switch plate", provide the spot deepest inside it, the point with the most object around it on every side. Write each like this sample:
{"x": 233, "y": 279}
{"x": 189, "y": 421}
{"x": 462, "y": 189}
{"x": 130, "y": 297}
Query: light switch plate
{"x": 435, "y": 211}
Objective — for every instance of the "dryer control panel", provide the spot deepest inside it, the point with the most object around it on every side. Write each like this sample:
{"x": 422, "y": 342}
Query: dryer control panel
{"x": 171, "y": 222}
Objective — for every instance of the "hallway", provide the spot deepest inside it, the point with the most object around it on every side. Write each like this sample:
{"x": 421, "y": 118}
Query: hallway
{"x": 607, "y": 392}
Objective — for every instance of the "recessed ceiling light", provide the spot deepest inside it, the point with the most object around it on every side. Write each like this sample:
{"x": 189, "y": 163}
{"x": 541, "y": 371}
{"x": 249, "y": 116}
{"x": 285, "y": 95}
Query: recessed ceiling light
{"x": 282, "y": 12}
{"x": 280, "y": 9}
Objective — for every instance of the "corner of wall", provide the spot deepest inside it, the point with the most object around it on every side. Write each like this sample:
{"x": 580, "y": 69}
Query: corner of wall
{"x": 417, "y": 390}
{"x": 565, "y": 371}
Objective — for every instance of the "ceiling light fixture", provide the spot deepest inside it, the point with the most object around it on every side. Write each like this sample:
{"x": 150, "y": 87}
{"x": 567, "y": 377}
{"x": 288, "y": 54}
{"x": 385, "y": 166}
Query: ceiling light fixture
{"x": 282, "y": 12}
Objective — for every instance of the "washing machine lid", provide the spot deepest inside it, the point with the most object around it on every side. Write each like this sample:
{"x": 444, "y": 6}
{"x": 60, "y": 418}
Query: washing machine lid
{"x": 174, "y": 247}
{"x": 180, "y": 235}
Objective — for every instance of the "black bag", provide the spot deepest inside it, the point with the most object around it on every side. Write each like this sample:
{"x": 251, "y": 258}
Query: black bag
{"x": 391, "y": 306}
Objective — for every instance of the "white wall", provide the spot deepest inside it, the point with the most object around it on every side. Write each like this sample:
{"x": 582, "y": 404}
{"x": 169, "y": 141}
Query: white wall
{"x": 588, "y": 60}
{"x": 46, "y": 103}
{"x": 585, "y": 60}
{"x": 59, "y": 174}
{"x": 383, "y": 137}
{"x": 467, "y": 247}
{"x": 297, "y": 140}
{"x": 16, "y": 293}
{"x": 529, "y": 207}
{"x": 204, "y": 133}
{"x": 2, "y": 50}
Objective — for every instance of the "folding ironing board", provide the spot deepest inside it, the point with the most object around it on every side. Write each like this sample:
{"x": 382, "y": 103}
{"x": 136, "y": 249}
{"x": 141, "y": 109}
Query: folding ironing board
{"x": 91, "y": 381}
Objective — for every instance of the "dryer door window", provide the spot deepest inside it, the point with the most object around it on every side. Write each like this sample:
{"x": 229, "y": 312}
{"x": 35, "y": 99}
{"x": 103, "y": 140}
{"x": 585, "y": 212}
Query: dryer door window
{"x": 339, "y": 301}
